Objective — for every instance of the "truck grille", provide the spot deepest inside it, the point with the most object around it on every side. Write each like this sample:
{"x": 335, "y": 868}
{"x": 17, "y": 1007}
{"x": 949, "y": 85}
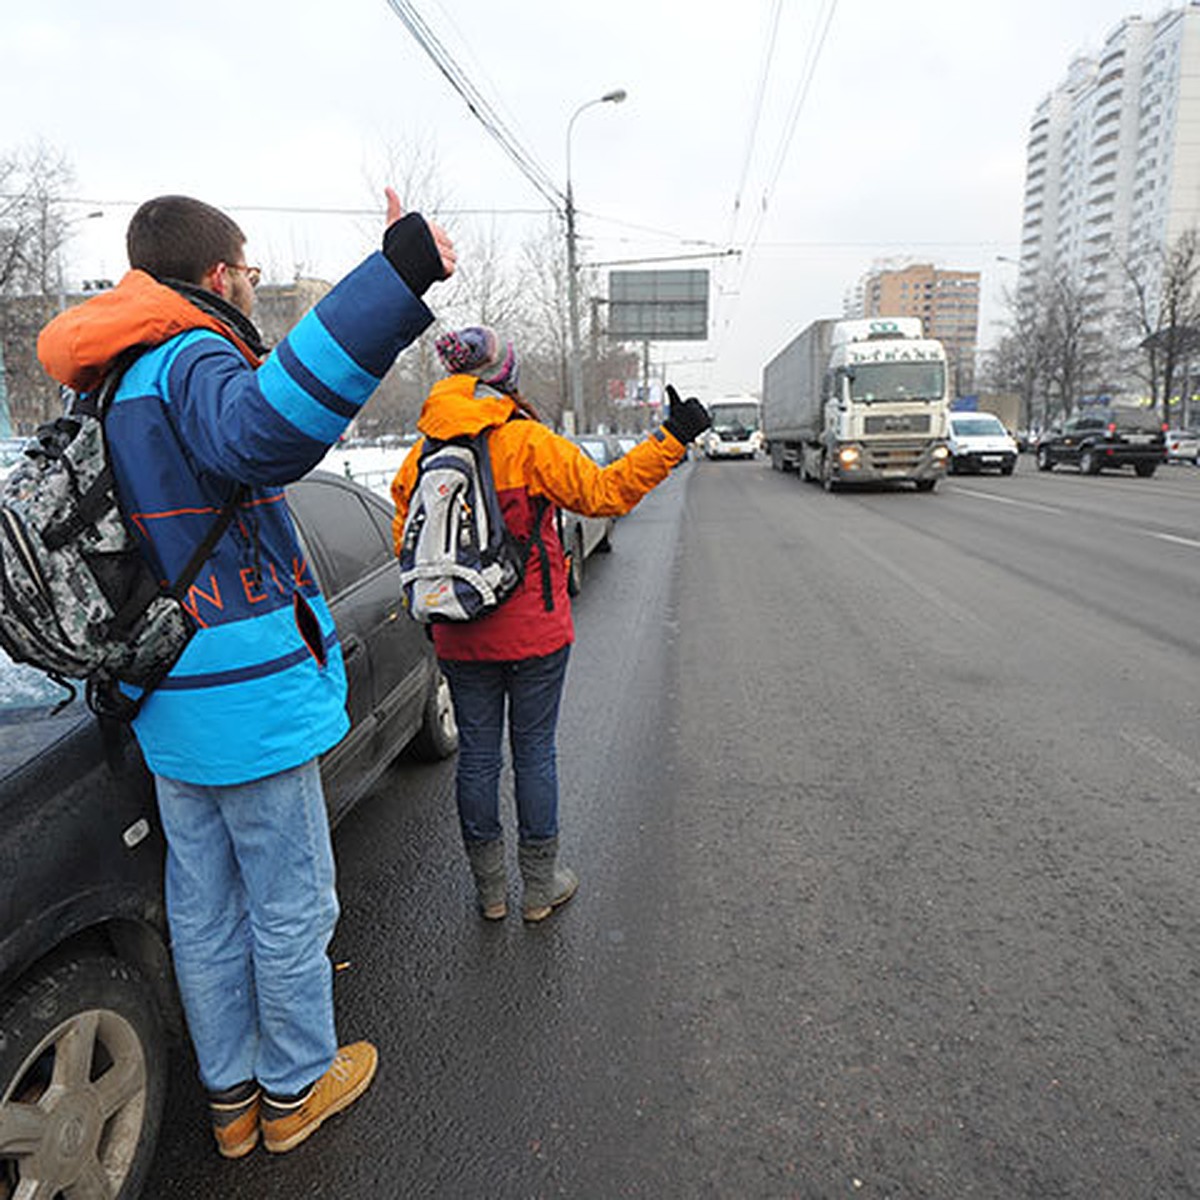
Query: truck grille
{"x": 906, "y": 423}
{"x": 893, "y": 458}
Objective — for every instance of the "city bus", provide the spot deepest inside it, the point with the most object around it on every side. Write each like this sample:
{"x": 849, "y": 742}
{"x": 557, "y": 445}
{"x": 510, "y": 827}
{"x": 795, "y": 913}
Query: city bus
{"x": 736, "y": 430}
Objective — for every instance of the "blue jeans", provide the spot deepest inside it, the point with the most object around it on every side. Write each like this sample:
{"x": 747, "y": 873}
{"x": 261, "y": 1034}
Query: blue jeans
{"x": 252, "y": 906}
{"x": 532, "y": 689}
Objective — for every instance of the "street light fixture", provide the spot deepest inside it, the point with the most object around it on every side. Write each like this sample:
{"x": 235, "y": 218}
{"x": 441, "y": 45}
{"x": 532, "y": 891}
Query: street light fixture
{"x": 577, "y": 413}
{"x": 67, "y": 225}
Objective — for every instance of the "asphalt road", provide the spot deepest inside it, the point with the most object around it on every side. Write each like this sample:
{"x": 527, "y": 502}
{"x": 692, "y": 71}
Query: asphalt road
{"x": 885, "y": 808}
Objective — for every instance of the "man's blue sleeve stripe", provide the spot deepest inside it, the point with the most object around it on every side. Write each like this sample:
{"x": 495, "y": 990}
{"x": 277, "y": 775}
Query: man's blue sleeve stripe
{"x": 312, "y": 385}
{"x": 298, "y": 406}
{"x": 329, "y": 360}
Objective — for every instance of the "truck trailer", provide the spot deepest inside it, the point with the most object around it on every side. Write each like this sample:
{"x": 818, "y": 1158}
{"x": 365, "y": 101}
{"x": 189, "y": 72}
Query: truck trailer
{"x": 862, "y": 401}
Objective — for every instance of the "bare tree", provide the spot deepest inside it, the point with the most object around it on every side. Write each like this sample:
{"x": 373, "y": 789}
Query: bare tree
{"x": 545, "y": 319}
{"x": 1018, "y": 362}
{"x": 33, "y": 226}
{"x": 33, "y": 233}
{"x": 1164, "y": 314}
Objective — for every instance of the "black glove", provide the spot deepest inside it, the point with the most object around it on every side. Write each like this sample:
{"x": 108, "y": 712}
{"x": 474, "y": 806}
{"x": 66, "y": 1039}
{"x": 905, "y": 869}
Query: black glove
{"x": 409, "y": 246}
{"x": 686, "y": 419}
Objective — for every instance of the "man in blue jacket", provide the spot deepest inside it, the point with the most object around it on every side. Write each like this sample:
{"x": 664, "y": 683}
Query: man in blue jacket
{"x": 234, "y": 733}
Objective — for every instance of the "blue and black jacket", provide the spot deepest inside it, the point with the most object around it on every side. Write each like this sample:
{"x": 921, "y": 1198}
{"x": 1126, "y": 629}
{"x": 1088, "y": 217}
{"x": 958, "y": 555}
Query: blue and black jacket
{"x": 261, "y": 686}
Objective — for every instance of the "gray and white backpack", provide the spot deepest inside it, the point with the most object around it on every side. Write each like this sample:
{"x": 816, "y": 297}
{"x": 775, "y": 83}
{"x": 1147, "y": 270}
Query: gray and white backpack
{"x": 458, "y": 559}
{"x": 77, "y": 598}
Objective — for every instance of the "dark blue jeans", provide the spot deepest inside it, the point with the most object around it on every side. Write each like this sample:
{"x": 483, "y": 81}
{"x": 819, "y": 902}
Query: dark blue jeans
{"x": 531, "y": 689}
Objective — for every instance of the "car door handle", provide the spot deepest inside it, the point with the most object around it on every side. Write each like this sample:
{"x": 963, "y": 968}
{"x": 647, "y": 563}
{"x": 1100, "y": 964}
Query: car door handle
{"x": 350, "y": 647}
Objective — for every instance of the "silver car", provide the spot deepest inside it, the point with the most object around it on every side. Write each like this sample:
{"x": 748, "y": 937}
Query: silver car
{"x": 583, "y": 536}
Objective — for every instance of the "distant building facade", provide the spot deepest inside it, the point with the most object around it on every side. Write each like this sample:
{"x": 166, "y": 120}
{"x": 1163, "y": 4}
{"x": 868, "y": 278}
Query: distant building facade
{"x": 946, "y": 301}
{"x": 1113, "y": 161}
{"x": 30, "y": 397}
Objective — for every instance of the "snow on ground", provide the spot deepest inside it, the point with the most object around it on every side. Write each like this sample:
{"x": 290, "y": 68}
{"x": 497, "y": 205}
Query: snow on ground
{"x": 372, "y": 466}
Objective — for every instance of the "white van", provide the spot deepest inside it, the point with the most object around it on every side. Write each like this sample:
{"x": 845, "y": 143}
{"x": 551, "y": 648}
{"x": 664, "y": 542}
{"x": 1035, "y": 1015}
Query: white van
{"x": 979, "y": 442}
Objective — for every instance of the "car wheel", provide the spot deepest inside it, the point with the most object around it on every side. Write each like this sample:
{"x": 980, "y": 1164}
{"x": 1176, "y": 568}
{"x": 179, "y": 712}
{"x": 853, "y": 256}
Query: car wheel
{"x": 1008, "y": 470}
{"x": 1145, "y": 470}
{"x": 1089, "y": 464}
{"x": 438, "y": 736}
{"x": 1044, "y": 461}
{"x": 575, "y": 565}
{"x": 604, "y": 545}
{"x": 83, "y": 1073}
{"x": 926, "y": 485}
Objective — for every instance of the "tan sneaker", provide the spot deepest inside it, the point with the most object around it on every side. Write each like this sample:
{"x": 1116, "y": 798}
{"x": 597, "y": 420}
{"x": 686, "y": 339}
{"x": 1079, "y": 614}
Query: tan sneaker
{"x": 287, "y": 1124}
{"x": 235, "y": 1116}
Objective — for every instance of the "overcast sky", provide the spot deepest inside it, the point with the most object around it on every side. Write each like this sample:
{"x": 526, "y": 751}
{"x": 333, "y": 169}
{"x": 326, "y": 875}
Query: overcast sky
{"x": 908, "y": 141}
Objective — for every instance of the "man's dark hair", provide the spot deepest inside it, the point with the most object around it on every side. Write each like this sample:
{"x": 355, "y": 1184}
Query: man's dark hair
{"x": 176, "y": 237}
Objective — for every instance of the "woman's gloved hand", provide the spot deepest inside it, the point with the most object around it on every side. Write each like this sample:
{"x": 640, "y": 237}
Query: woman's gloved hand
{"x": 686, "y": 419}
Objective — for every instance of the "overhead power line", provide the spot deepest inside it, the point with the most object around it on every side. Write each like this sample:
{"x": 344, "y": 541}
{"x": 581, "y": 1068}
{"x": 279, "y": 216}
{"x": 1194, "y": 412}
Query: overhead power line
{"x": 755, "y": 115}
{"x": 478, "y": 105}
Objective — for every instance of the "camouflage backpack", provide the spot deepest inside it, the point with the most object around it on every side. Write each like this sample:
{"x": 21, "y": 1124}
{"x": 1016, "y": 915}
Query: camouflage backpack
{"x": 77, "y": 598}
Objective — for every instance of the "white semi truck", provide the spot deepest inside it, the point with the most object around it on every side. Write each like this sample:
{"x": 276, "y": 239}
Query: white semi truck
{"x": 859, "y": 402}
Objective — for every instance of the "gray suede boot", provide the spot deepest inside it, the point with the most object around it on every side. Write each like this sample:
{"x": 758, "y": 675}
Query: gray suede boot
{"x": 547, "y": 885}
{"x": 491, "y": 881}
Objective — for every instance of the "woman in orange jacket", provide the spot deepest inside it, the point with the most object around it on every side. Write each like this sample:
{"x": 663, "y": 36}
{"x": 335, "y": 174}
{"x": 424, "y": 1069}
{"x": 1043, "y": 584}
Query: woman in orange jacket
{"x": 516, "y": 656}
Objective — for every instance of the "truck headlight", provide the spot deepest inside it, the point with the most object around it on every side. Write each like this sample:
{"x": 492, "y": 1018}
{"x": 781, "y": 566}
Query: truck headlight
{"x": 941, "y": 453}
{"x": 849, "y": 457}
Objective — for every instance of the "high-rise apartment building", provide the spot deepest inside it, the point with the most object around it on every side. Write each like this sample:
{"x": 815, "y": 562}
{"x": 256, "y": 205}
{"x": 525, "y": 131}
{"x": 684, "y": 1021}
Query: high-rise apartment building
{"x": 947, "y": 302}
{"x": 1113, "y": 161}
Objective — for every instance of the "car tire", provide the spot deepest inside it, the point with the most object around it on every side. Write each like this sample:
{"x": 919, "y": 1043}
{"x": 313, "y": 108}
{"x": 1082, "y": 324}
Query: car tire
{"x": 438, "y": 736}
{"x": 926, "y": 485}
{"x": 1044, "y": 461}
{"x": 1145, "y": 470}
{"x": 1089, "y": 464}
{"x": 604, "y": 545}
{"x": 83, "y": 1074}
{"x": 575, "y": 565}
{"x": 1009, "y": 469}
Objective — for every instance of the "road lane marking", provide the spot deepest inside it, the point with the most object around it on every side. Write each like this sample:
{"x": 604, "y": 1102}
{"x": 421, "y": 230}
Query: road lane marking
{"x": 1179, "y": 541}
{"x": 1183, "y": 767}
{"x": 1058, "y": 512}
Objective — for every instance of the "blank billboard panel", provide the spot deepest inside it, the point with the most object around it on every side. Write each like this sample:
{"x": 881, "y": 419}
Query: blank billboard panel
{"x": 658, "y": 306}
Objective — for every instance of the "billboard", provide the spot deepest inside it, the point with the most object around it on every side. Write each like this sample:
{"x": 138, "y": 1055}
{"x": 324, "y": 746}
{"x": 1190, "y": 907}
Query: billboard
{"x": 658, "y": 306}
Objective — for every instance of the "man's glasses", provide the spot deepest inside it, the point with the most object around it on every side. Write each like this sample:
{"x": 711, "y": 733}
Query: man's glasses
{"x": 253, "y": 274}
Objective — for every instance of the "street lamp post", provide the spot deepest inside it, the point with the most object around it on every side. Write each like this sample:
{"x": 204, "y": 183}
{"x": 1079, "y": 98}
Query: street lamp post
{"x": 577, "y": 413}
{"x": 67, "y": 226}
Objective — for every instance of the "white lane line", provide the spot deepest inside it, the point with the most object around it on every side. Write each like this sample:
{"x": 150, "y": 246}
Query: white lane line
{"x": 1182, "y": 766}
{"x": 1179, "y": 541}
{"x": 1007, "y": 500}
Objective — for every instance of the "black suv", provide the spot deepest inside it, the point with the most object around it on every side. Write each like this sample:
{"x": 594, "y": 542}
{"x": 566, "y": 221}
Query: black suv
{"x": 86, "y": 984}
{"x": 1106, "y": 437}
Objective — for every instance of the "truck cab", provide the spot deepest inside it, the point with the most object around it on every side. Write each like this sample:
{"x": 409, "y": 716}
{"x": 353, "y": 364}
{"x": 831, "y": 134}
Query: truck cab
{"x": 885, "y": 403}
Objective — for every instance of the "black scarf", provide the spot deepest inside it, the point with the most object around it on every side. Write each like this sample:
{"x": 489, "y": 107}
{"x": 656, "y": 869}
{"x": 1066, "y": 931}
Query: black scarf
{"x": 226, "y": 313}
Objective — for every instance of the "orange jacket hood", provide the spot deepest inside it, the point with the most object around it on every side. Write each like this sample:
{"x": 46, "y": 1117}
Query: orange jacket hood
{"x": 452, "y": 409}
{"x": 79, "y": 345}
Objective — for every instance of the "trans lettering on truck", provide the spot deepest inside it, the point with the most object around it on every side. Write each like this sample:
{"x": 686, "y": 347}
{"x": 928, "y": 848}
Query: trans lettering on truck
{"x": 892, "y": 354}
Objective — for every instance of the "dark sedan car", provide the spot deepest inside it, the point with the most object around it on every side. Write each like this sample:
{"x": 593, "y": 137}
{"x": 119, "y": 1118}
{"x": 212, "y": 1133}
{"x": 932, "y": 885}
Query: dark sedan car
{"x": 86, "y": 987}
{"x": 1106, "y": 438}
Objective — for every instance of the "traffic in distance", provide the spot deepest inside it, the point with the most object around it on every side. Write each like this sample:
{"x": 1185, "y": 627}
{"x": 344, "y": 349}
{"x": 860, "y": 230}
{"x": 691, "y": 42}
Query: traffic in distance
{"x": 845, "y": 403}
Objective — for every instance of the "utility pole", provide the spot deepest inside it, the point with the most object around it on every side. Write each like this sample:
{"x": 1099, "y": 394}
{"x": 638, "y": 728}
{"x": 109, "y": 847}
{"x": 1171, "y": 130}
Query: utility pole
{"x": 578, "y": 417}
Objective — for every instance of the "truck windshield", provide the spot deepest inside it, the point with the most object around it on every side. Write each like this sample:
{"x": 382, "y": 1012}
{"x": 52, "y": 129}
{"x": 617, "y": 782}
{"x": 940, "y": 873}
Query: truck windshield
{"x": 734, "y": 418}
{"x": 876, "y": 383}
